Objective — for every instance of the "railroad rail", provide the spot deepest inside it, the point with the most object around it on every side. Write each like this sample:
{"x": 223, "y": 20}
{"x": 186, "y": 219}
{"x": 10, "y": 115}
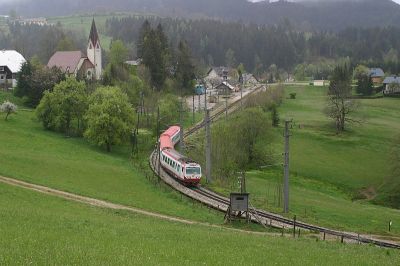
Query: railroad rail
{"x": 221, "y": 203}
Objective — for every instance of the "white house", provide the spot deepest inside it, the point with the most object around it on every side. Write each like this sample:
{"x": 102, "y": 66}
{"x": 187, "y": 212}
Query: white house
{"x": 392, "y": 85}
{"x": 10, "y": 64}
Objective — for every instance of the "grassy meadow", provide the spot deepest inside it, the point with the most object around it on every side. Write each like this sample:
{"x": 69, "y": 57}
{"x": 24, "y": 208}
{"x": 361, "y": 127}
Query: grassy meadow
{"x": 330, "y": 172}
{"x": 353, "y": 160}
{"x": 41, "y": 229}
{"x": 29, "y": 153}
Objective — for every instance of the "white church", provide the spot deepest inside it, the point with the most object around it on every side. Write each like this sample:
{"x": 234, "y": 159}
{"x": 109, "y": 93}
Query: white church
{"x": 79, "y": 65}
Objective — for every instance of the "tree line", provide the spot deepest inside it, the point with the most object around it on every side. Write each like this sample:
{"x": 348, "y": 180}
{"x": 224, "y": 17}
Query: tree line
{"x": 258, "y": 47}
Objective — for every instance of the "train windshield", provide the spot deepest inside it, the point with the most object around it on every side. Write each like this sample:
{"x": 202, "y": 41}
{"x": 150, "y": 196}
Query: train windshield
{"x": 193, "y": 170}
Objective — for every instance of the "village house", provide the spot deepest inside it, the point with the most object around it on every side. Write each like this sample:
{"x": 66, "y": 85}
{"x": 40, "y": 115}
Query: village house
{"x": 32, "y": 21}
{"x": 216, "y": 75}
{"x": 391, "y": 85}
{"x": 377, "y": 75}
{"x": 249, "y": 79}
{"x": 10, "y": 65}
{"x": 79, "y": 65}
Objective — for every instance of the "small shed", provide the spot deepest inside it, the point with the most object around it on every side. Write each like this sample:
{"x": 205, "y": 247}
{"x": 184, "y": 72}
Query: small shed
{"x": 225, "y": 88}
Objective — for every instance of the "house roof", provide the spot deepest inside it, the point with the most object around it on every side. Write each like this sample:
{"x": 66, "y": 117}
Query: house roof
{"x": 248, "y": 76}
{"x": 220, "y": 70}
{"x": 93, "y": 36}
{"x": 12, "y": 59}
{"x": 392, "y": 79}
{"x": 376, "y": 73}
{"x": 66, "y": 60}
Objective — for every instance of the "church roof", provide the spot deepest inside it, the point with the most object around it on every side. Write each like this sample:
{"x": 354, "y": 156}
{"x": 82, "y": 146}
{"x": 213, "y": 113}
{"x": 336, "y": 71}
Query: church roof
{"x": 94, "y": 36}
{"x": 12, "y": 59}
{"x": 66, "y": 60}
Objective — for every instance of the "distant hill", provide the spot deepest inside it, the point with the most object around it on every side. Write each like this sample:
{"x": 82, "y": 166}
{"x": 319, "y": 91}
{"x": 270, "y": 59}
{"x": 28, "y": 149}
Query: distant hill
{"x": 307, "y": 15}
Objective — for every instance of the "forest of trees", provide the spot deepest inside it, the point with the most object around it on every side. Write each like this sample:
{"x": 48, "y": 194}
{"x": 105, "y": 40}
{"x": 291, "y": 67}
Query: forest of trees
{"x": 259, "y": 47}
{"x": 41, "y": 41}
{"x": 306, "y": 15}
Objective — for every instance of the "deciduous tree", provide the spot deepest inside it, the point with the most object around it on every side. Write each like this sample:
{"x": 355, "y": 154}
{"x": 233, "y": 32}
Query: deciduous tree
{"x": 66, "y": 104}
{"x": 340, "y": 104}
{"x": 109, "y": 118}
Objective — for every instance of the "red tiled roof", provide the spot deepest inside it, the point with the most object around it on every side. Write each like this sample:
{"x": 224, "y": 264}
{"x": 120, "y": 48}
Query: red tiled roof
{"x": 66, "y": 60}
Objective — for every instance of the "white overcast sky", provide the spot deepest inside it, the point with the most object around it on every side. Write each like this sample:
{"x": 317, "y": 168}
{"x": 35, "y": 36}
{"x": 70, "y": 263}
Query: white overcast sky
{"x": 8, "y": 1}
{"x": 397, "y": 1}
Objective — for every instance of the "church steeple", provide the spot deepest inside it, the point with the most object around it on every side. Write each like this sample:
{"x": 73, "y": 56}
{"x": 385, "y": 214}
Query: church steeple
{"x": 94, "y": 50}
{"x": 94, "y": 36}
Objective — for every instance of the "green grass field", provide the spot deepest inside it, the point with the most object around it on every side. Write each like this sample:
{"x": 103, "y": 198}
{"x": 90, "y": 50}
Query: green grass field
{"x": 354, "y": 160}
{"x": 327, "y": 170}
{"x": 40, "y": 229}
{"x": 30, "y": 153}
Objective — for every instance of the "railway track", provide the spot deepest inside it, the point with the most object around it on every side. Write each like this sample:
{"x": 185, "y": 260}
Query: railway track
{"x": 221, "y": 111}
{"x": 221, "y": 203}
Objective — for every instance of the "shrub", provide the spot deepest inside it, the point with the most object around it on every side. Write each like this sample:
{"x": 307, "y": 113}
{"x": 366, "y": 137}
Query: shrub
{"x": 8, "y": 108}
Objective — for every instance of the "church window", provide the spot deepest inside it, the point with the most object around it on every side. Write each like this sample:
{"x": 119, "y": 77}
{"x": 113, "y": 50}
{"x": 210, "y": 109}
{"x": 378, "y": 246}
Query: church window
{"x": 97, "y": 46}
{"x": 90, "y": 46}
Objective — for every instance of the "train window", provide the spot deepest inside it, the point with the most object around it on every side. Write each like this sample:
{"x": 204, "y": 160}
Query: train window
{"x": 193, "y": 171}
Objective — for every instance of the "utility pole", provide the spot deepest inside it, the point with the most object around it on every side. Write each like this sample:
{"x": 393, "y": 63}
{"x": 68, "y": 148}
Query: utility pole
{"x": 226, "y": 107}
{"x": 199, "y": 103}
{"x": 286, "y": 168}
{"x": 241, "y": 97}
{"x": 181, "y": 143}
{"x": 208, "y": 146}
{"x": 194, "y": 120}
{"x": 242, "y": 182}
{"x": 158, "y": 142}
{"x": 205, "y": 97}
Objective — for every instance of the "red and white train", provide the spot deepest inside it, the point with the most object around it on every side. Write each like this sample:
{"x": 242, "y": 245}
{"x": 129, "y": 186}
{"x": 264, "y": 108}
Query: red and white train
{"x": 181, "y": 167}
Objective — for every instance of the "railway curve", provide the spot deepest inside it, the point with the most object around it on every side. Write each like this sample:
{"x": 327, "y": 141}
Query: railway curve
{"x": 221, "y": 203}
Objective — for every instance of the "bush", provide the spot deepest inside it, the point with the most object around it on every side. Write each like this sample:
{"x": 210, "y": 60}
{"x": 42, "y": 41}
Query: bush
{"x": 8, "y": 108}
{"x": 292, "y": 95}
{"x": 109, "y": 118}
{"x": 63, "y": 108}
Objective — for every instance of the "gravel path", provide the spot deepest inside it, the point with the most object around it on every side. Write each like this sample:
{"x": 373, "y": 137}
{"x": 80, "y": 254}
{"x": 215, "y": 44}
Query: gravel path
{"x": 109, "y": 205}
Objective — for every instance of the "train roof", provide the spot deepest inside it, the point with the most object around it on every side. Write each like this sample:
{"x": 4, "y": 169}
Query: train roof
{"x": 166, "y": 143}
{"x": 179, "y": 157}
{"x": 171, "y": 131}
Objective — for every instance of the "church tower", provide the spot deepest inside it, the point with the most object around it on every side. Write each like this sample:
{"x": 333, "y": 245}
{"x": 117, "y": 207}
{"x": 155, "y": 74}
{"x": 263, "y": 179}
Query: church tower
{"x": 94, "y": 50}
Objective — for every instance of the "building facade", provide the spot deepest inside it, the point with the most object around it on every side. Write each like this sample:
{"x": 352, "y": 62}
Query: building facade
{"x": 10, "y": 65}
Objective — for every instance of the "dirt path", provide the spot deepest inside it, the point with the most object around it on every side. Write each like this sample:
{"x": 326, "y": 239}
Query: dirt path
{"x": 109, "y": 205}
